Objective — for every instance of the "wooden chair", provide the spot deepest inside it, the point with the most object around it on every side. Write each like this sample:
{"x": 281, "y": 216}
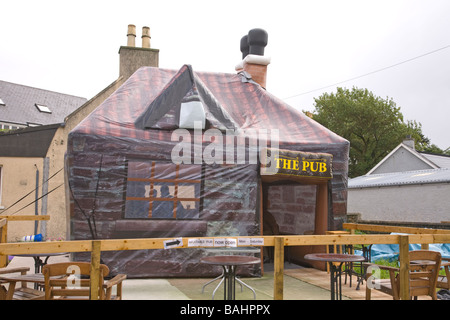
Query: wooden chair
{"x": 23, "y": 292}
{"x": 423, "y": 271}
{"x": 70, "y": 280}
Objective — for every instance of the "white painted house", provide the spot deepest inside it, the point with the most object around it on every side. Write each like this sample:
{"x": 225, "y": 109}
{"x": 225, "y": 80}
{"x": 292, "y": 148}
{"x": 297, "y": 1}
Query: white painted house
{"x": 406, "y": 186}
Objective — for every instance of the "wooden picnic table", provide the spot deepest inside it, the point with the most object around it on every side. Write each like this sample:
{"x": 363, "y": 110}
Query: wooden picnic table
{"x": 8, "y": 277}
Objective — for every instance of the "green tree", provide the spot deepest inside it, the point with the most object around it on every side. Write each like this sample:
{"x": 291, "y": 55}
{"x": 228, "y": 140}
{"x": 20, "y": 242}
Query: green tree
{"x": 373, "y": 126}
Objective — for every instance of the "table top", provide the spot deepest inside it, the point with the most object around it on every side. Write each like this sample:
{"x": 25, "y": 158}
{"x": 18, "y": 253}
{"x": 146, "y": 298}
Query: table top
{"x": 32, "y": 277}
{"x": 37, "y": 278}
{"x": 334, "y": 257}
{"x": 40, "y": 254}
{"x": 230, "y": 260}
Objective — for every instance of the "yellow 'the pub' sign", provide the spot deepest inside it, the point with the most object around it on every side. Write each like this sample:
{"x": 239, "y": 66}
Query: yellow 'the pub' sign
{"x": 296, "y": 163}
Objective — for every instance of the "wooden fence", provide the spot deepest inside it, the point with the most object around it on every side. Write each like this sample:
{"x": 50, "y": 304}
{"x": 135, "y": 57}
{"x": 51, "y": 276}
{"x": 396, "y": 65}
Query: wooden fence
{"x": 4, "y": 228}
{"x": 278, "y": 242}
{"x": 388, "y": 229}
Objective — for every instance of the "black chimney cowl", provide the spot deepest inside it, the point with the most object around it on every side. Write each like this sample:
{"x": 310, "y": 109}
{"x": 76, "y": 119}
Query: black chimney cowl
{"x": 244, "y": 46}
{"x": 256, "y": 42}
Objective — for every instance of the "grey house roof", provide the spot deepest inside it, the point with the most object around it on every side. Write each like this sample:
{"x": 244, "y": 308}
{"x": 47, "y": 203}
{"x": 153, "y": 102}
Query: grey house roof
{"x": 442, "y": 161}
{"x": 24, "y": 105}
{"x": 441, "y": 175}
{"x": 27, "y": 142}
{"x": 406, "y": 158}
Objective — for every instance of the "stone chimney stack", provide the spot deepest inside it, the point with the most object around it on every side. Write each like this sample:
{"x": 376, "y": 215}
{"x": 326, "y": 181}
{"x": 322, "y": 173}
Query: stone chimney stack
{"x": 253, "y": 60}
{"x": 409, "y": 141}
{"x": 132, "y": 57}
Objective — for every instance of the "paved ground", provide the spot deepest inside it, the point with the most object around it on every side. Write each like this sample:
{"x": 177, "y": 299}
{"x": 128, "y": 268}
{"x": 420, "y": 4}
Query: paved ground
{"x": 299, "y": 284}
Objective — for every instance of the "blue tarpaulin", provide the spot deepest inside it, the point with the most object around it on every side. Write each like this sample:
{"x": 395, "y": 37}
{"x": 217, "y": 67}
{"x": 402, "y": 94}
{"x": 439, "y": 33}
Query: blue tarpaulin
{"x": 390, "y": 252}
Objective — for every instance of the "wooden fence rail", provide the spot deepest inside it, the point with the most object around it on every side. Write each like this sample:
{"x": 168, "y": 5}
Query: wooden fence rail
{"x": 278, "y": 242}
{"x": 389, "y": 229}
{"x": 4, "y": 219}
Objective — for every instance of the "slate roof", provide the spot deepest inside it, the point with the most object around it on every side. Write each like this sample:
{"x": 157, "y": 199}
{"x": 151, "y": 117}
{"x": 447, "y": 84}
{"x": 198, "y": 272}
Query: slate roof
{"x": 442, "y": 161}
{"x": 20, "y": 105}
{"x": 401, "y": 178}
{"x": 27, "y": 142}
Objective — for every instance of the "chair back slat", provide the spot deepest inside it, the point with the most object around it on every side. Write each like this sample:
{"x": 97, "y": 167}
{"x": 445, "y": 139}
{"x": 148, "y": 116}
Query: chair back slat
{"x": 424, "y": 269}
{"x": 70, "y": 280}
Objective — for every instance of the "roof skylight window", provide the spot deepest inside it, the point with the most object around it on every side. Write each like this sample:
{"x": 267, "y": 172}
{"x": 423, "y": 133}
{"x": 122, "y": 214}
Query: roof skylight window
{"x": 2, "y": 103}
{"x": 43, "y": 108}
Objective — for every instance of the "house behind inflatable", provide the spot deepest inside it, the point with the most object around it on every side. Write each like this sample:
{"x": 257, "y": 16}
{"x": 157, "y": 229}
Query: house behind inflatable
{"x": 179, "y": 153}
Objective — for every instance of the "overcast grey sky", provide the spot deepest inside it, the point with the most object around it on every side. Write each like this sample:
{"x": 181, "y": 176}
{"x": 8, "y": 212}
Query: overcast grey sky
{"x": 72, "y": 46}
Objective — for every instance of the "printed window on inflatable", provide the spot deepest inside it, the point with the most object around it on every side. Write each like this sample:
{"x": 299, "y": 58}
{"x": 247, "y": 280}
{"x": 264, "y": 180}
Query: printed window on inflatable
{"x": 162, "y": 190}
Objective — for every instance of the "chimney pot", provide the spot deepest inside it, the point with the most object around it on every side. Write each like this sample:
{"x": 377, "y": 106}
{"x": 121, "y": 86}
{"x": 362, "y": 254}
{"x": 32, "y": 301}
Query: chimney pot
{"x": 244, "y": 46}
{"x": 257, "y": 41}
{"x": 131, "y": 35}
{"x": 145, "y": 37}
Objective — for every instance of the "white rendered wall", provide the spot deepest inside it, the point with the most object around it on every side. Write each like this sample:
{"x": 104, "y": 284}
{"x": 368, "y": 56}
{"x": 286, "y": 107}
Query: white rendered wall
{"x": 408, "y": 203}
